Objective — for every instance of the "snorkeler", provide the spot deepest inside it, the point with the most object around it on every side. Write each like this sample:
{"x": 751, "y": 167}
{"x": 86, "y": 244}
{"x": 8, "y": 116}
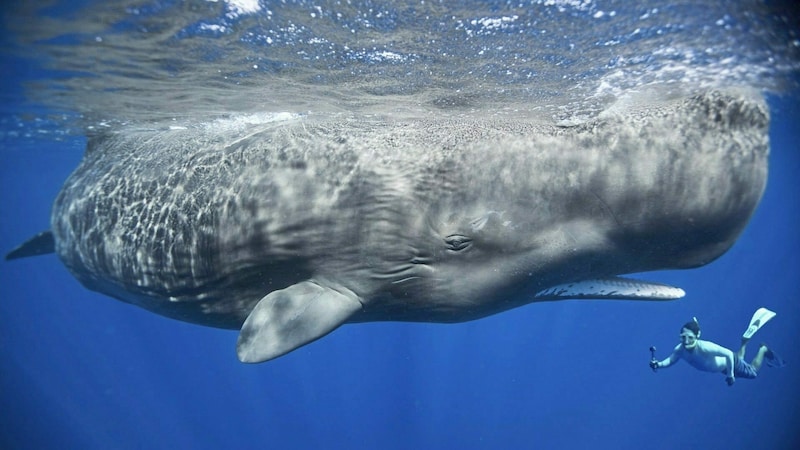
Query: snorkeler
{"x": 710, "y": 357}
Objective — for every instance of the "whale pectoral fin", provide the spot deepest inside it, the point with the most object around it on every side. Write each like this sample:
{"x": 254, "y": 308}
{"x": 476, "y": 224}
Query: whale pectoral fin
{"x": 290, "y": 318}
{"x": 614, "y": 288}
{"x": 41, "y": 244}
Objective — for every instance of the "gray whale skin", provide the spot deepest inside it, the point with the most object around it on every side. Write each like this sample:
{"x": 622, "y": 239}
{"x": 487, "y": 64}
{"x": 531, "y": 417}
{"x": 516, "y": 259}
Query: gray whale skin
{"x": 289, "y": 229}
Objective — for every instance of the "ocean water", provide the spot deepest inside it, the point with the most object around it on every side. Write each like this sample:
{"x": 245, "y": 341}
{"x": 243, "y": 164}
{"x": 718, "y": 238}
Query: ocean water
{"x": 80, "y": 370}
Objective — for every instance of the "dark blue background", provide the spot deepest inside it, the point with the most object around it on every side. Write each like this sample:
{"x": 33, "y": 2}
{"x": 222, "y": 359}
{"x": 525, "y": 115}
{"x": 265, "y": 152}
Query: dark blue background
{"x": 80, "y": 370}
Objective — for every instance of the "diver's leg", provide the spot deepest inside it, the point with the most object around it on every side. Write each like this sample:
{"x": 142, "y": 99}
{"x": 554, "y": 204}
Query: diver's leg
{"x": 759, "y": 357}
{"x": 742, "y": 348}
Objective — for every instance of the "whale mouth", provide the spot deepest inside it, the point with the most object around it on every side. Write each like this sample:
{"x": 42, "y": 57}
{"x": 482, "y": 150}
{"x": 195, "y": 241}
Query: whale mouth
{"x": 613, "y": 288}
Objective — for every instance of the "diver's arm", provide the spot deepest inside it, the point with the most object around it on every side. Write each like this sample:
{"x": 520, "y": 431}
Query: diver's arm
{"x": 715, "y": 350}
{"x": 729, "y": 363}
{"x": 718, "y": 350}
{"x": 672, "y": 359}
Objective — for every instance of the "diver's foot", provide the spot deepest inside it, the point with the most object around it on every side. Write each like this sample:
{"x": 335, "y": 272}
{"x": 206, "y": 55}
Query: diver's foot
{"x": 772, "y": 359}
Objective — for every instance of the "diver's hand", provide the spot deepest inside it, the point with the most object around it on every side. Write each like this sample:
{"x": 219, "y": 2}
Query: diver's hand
{"x": 654, "y": 364}
{"x": 730, "y": 380}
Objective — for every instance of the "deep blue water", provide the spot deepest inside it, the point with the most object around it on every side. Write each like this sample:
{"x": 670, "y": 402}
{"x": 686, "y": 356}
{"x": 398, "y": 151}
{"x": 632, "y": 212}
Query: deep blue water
{"x": 82, "y": 371}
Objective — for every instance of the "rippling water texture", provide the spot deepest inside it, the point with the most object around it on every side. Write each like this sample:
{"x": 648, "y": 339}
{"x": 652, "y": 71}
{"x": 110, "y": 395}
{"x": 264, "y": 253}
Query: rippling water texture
{"x": 123, "y": 61}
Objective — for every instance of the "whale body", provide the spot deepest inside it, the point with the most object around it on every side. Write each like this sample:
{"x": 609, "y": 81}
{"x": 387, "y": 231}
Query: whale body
{"x": 289, "y": 229}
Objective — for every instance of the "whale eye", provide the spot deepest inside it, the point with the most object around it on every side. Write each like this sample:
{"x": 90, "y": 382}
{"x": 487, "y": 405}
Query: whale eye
{"x": 457, "y": 242}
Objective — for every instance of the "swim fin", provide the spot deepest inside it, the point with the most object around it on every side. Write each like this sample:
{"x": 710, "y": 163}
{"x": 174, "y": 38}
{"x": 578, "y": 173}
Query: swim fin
{"x": 761, "y": 316}
{"x": 773, "y": 360}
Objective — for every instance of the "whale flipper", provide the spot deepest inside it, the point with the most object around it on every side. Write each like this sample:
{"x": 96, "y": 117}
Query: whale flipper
{"x": 41, "y": 244}
{"x": 289, "y": 318}
{"x": 613, "y": 288}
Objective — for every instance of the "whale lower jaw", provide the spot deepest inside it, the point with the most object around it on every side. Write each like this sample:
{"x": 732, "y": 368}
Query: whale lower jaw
{"x": 613, "y": 288}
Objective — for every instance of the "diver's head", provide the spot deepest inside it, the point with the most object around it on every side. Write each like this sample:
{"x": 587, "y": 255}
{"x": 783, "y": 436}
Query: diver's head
{"x": 690, "y": 332}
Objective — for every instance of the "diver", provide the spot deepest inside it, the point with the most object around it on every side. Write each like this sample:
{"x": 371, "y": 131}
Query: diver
{"x": 710, "y": 357}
